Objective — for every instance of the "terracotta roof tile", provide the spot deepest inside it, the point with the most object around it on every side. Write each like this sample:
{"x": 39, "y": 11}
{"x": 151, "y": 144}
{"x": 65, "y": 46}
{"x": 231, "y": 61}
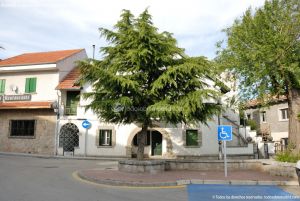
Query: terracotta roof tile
{"x": 256, "y": 103}
{"x": 25, "y": 105}
{"x": 38, "y": 58}
{"x": 69, "y": 81}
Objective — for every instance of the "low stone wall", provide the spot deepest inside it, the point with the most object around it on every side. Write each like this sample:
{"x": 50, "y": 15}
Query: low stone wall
{"x": 155, "y": 166}
{"x": 135, "y": 166}
{"x": 212, "y": 165}
{"x": 276, "y": 168}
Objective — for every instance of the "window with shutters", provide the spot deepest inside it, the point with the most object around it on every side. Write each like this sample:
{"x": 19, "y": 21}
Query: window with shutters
{"x": 2, "y": 86}
{"x": 73, "y": 98}
{"x": 30, "y": 85}
{"x": 106, "y": 137}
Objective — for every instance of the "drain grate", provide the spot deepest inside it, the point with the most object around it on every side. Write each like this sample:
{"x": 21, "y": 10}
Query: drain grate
{"x": 108, "y": 168}
{"x": 50, "y": 167}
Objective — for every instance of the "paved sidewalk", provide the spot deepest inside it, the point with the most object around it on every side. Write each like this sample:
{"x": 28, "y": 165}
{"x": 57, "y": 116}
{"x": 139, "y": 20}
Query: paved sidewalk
{"x": 45, "y": 156}
{"x": 178, "y": 178}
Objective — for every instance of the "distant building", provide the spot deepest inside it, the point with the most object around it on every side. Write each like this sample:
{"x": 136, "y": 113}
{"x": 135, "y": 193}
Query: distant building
{"x": 272, "y": 120}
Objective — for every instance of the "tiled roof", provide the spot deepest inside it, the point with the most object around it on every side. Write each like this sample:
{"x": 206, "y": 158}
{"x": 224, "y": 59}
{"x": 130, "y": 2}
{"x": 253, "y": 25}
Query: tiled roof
{"x": 38, "y": 58}
{"x": 256, "y": 103}
{"x": 69, "y": 81}
{"x": 25, "y": 105}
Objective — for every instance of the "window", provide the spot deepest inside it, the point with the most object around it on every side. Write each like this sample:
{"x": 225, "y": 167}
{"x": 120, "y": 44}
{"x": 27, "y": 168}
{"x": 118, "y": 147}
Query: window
{"x": 284, "y": 114}
{"x": 73, "y": 98}
{"x": 191, "y": 138}
{"x": 22, "y": 128}
{"x": 30, "y": 85}
{"x": 263, "y": 117}
{"x": 105, "y": 138}
{"x": 2, "y": 86}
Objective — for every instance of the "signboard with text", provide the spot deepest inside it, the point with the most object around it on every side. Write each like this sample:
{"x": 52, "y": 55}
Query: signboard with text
{"x": 8, "y": 98}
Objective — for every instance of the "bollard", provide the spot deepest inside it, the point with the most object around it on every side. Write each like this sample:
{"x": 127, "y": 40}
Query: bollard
{"x": 298, "y": 171}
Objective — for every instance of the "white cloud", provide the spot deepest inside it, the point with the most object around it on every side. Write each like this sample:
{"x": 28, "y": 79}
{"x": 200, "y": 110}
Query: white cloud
{"x": 38, "y": 25}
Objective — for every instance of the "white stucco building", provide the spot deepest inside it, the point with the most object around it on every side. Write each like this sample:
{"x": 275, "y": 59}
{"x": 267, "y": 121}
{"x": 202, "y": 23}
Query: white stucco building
{"x": 163, "y": 141}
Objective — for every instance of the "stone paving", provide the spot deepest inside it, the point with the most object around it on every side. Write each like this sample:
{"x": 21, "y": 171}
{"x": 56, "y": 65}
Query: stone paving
{"x": 115, "y": 177}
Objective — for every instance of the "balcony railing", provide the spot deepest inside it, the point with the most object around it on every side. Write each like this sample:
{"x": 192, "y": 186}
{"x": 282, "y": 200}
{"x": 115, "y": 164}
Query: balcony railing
{"x": 70, "y": 110}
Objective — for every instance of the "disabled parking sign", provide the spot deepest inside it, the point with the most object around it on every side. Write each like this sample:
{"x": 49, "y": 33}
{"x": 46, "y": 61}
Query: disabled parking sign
{"x": 224, "y": 133}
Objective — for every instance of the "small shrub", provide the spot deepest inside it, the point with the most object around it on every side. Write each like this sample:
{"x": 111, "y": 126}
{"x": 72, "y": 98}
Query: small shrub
{"x": 252, "y": 124}
{"x": 287, "y": 156}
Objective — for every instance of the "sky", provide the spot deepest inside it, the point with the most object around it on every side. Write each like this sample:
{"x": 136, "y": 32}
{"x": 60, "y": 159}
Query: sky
{"x": 48, "y": 25}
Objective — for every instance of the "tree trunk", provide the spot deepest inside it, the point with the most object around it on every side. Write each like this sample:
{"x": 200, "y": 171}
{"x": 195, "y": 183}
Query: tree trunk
{"x": 141, "y": 140}
{"x": 294, "y": 123}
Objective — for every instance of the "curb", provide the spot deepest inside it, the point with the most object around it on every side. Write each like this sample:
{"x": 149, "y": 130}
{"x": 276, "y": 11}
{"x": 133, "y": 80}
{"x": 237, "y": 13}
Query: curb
{"x": 183, "y": 183}
{"x": 118, "y": 183}
{"x": 61, "y": 157}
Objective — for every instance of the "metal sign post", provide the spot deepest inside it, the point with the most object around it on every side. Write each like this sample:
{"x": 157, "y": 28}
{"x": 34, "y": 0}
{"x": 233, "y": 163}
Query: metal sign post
{"x": 225, "y": 158}
{"x": 225, "y": 134}
{"x": 87, "y": 125}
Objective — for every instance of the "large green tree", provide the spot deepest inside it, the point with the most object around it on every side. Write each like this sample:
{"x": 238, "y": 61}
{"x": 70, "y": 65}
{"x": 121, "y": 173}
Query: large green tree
{"x": 144, "y": 77}
{"x": 263, "y": 50}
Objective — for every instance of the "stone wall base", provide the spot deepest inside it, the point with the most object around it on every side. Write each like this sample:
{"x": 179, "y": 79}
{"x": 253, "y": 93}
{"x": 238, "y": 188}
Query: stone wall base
{"x": 44, "y": 140}
{"x": 148, "y": 166}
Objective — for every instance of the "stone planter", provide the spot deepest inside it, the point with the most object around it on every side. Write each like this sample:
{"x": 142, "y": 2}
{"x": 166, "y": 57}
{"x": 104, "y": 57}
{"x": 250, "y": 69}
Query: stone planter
{"x": 147, "y": 166}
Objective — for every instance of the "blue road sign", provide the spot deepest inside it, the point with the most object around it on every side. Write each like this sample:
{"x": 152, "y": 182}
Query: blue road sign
{"x": 224, "y": 133}
{"x": 86, "y": 124}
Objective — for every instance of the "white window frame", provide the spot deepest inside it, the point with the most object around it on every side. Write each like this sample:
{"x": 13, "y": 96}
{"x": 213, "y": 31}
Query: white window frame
{"x": 280, "y": 114}
{"x": 263, "y": 118}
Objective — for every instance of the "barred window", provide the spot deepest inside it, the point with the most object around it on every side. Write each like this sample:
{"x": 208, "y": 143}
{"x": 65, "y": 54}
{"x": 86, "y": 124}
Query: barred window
{"x": 22, "y": 128}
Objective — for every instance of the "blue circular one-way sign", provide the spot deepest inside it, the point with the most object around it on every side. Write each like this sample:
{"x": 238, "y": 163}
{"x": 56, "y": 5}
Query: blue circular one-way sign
{"x": 86, "y": 124}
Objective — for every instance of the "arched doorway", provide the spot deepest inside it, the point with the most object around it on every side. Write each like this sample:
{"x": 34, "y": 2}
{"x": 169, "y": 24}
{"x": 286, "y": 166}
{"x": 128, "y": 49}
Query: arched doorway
{"x": 154, "y": 143}
{"x": 68, "y": 137}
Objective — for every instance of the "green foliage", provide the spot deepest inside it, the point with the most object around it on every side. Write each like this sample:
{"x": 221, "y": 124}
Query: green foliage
{"x": 263, "y": 49}
{"x": 252, "y": 124}
{"x": 145, "y": 76}
{"x": 287, "y": 156}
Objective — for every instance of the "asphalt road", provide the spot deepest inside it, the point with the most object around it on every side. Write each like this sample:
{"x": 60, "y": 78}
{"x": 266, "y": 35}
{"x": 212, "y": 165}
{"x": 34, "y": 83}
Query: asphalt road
{"x": 37, "y": 179}
{"x": 40, "y": 179}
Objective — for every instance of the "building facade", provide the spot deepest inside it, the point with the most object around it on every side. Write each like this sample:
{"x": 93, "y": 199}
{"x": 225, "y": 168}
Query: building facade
{"x": 28, "y": 99}
{"x": 42, "y": 111}
{"x": 111, "y": 140}
{"x": 272, "y": 120}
